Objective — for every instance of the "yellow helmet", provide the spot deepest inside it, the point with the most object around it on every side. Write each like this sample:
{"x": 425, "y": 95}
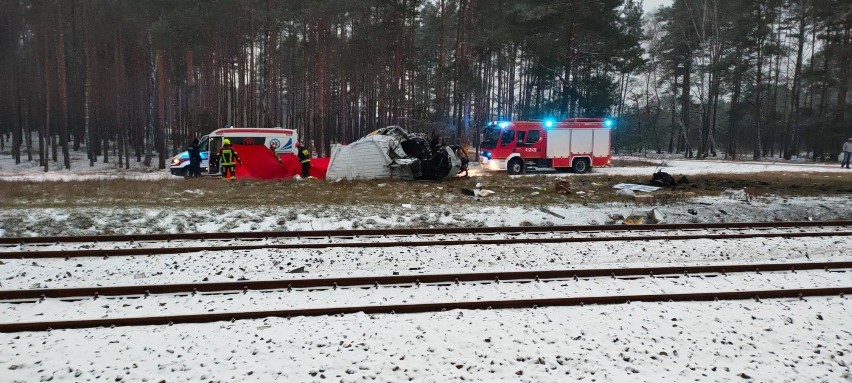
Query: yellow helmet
{"x": 227, "y": 141}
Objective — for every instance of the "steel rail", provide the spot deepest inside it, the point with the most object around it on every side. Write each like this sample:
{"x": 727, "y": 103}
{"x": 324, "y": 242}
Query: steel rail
{"x": 504, "y": 276}
{"x": 411, "y": 231}
{"x": 421, "y": 308}
{"x": 68, "y": 254}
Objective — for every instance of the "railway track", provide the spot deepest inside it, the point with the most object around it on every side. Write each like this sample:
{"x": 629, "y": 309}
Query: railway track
{"x": 423, "y": 308}
{"x": 22, "y": 296}
{"x": 413, "y": 232}
{"x": 396, "y": 280}
{"x": 545, "y": 235}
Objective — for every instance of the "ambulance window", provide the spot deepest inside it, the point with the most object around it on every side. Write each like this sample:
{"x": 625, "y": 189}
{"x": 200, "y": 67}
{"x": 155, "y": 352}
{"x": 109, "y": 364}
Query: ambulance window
{"x": 533, "y": 137}
{"x": 507, "y": 137}
{"x": 205, "y": 144}
{"x": 248, "y": 140}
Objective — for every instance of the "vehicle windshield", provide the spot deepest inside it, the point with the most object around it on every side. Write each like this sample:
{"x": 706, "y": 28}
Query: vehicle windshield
{"x": 490, "y": 137}
{"x": 508, "y": 137}
{"x": 205, "y": 144}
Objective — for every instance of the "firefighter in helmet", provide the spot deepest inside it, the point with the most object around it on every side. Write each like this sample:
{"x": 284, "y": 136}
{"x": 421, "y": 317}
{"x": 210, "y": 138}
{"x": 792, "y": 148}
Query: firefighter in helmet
{"x": 228, "y": 160}
{"x": 305, "y": 159}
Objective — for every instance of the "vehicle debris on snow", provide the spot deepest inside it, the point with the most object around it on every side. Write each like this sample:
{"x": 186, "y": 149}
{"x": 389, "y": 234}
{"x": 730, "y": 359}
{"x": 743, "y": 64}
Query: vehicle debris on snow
{"x": 650, "y": 217}
{"x": 393, "y": 152}
{"x": 636, "y": 188}
{"x": 563, "y": 187}
{"x": 626, "y": 192}
{"x": 477, "y": 192}
{"x": 662, "y": 178}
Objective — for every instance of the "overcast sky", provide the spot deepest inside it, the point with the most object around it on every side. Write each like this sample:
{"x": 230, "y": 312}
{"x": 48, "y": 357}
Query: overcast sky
{"x": 651, "y": 5}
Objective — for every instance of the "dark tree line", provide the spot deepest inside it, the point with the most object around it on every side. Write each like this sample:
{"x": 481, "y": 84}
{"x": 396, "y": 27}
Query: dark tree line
{"x": 753, "y": 78}
{"x": 132, "y": 80}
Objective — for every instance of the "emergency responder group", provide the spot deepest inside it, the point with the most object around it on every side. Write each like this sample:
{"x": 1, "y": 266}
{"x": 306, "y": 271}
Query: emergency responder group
{"x": 229, "y": 158}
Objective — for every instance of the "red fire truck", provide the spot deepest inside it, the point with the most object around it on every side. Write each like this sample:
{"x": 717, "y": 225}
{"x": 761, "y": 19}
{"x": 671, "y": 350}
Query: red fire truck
{"x": 574, "y": 143}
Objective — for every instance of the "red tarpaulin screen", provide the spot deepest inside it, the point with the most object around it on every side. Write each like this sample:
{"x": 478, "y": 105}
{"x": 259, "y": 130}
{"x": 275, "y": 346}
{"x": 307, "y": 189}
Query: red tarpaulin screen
{"x": 259, "y": 163}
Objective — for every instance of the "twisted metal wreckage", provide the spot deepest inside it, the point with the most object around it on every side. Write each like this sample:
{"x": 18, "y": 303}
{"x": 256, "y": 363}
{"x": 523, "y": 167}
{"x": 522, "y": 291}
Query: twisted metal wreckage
{"x": 393, "y": 152}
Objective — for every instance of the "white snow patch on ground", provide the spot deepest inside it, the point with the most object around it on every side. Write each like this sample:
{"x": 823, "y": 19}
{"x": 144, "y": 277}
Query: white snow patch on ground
{"x": 80, "y": 169}
{"x": 767, "y": 341}
{"x": 708, "y": 166}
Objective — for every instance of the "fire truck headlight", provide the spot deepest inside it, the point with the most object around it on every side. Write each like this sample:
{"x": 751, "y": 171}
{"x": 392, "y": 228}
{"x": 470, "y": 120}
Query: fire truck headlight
{"x": 608, "y": 123}
{"x": 486, "y": 155}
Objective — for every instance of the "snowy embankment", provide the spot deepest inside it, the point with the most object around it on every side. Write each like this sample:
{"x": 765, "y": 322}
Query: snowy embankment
{"x": 135, "y": 220}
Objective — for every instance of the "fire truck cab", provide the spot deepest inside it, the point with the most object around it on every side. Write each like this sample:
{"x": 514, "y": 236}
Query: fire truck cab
{"x": 575, "y": 143}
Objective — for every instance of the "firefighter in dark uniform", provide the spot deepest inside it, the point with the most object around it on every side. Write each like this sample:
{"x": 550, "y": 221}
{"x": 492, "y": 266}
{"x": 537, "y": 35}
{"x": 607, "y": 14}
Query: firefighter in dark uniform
{"x": 228, "y": 160}
{"x": 305, "y": 159}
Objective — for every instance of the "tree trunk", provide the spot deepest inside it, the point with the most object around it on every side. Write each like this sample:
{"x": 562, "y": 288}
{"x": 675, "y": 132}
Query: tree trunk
{"x": 791, "y": 138}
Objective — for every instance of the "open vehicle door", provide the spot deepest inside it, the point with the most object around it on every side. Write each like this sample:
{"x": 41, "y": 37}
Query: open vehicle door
{"x": 215, "y": 143}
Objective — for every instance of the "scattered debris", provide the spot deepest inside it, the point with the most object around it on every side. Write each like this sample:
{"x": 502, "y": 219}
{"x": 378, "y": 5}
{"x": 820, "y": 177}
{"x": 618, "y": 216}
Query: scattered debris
{"x": 297, "y": 270}
{"x": 616, "y": 217}
{"x": 636, "y": 187}
{"x": 139, "y": 275}
{"x": 477, "y": 192}
{"x": 650, "y": 217}
{"x": 548, "y": 211}
{"x": 663, "y": 179}
{"x": 625, "y": 193}
{"x": 563, "y": 187}
{"x": 692, "y": 211}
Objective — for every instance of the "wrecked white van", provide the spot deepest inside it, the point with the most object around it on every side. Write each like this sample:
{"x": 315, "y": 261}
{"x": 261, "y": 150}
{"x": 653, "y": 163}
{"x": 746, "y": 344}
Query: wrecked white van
{"x": 392, "y": 152}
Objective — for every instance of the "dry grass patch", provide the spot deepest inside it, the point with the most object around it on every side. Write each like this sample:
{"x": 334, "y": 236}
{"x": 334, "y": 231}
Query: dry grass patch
{"x": 531, "y": 190}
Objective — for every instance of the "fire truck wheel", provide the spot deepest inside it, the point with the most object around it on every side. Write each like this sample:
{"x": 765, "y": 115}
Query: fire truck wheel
{"x": 581, "y": 165}
{"x": 515, "y": 166}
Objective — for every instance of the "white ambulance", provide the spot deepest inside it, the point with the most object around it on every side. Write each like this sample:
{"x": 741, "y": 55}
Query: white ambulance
{"x": 210, "y": 144}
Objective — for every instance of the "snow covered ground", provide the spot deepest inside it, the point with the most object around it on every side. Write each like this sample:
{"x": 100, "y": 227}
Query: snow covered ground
{"x": 771, "y": 340}
{"x": 767, "y": 341}
{"x": 136, "y": 220}
{"x": 264, "y": 264}
{"x": 709, "y": 166}
{"x": 80, "y": 170}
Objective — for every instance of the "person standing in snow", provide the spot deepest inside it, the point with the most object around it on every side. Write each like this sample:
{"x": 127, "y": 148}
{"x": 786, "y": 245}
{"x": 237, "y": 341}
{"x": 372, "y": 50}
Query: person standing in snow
{"x": 847, "y": 153}
{"x": 194, "y": 151}
{"x": 305, "y": 159}
{"x": 228, "y": 160}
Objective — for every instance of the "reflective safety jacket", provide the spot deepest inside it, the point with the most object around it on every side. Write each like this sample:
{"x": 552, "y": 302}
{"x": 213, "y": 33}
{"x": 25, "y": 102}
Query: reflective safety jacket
{"x": 228, "y": 156}
{"x": 304, "y": 155}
